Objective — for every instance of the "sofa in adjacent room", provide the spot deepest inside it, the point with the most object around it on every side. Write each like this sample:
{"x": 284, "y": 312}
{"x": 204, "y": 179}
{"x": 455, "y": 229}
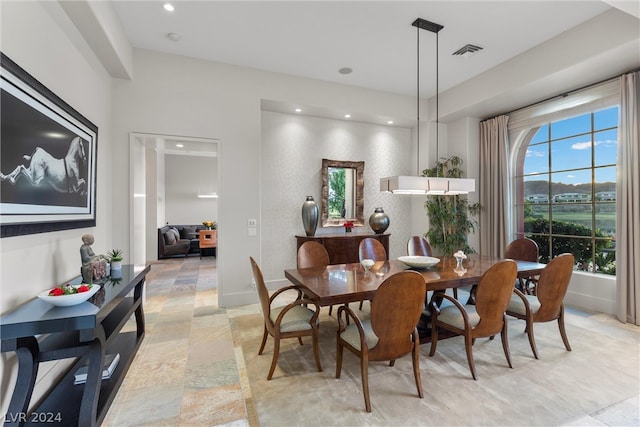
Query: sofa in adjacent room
{"x": 181, "y": 240}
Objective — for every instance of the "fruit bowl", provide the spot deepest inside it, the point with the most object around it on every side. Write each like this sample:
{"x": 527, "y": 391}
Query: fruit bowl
{"x": 70, "y": 299}
{"x": 419, "y": 261}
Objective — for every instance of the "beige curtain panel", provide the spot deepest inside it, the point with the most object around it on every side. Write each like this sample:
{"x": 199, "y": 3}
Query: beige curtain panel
{"x": 628, "y": 203}
{"x": 494, "y": 186}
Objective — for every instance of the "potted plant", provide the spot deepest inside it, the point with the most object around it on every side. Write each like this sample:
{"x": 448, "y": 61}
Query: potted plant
{"x": 115, "y": 255}
{"x": 450, "y": 217}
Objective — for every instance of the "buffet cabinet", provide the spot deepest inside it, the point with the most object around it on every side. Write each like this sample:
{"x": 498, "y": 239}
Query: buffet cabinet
{"x": 38, "y": 332}
{"x": 343, "y": 248}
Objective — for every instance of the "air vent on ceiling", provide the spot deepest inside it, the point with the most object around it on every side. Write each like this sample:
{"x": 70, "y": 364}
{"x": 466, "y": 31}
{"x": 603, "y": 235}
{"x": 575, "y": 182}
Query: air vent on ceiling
{"x": 467, "y": 50}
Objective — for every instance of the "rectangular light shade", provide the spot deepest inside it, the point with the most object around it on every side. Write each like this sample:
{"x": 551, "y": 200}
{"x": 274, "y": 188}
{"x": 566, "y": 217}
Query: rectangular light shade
{"x": 427, "y": 185}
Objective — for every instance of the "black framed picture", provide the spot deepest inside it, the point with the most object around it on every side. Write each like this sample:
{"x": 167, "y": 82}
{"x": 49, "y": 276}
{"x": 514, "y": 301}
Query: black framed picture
{"x": 48, "y": 155}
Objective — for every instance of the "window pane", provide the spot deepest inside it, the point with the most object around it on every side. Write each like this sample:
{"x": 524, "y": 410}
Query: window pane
{"x": 537, "y": 221}
{"x": 580, "y": 248}
{"x": 537, "y": 159}
{"x": 577, "y": 181}
{"x": 606, "y": 257}
{"x": 572, "y": 126}
{"x": 606, "y": 118}
{"x": 537, "y": 185}
{"x": 541, "y": 135}
{"x": 571, "y": 219}
{"x": 605, "y": 219}
{"x": 571, "y": 153}
{"x": 606, "y": 147}
{"x": 605, "y": 184}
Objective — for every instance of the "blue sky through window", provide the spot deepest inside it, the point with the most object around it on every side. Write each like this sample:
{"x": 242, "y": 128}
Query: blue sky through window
{"x": 571, "y": 148}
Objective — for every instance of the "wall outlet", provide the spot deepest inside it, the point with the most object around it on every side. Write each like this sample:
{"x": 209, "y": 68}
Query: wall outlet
{"x": 252, "y": 223}
{"x": 253, "y": 283}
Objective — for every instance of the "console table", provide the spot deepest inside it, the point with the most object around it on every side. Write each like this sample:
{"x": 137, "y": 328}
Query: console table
{"x": 39, "y": 332}
{"x": 343, "y": 248}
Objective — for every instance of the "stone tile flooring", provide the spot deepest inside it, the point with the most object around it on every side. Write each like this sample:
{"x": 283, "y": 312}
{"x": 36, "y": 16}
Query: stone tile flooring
{"x": 191, "y": 371}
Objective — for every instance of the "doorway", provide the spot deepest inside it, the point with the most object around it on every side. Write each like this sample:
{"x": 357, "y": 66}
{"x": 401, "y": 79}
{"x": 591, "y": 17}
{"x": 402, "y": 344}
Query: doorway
{"x": 154, "y": 202}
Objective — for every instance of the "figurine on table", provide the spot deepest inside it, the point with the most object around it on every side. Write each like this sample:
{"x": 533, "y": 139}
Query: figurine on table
{"x": 94, "y": 266}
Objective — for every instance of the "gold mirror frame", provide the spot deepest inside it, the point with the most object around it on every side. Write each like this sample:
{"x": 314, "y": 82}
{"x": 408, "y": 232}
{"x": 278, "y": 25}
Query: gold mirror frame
{"x": 358, "y": 221}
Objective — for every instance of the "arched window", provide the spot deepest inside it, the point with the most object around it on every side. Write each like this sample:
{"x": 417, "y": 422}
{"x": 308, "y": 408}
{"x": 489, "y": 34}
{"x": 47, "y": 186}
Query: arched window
{"x": 565, "y": 188}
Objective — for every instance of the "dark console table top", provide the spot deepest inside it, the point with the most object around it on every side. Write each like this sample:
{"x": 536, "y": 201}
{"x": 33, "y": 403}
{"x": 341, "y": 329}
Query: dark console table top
{"x": 39, "y": 317}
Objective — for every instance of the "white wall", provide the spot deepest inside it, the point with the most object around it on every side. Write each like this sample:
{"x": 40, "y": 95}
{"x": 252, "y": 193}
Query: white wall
{"x": 224, "y": 102}
{"x": 63, "y": 63}
{"x": 293, "y": 147}
{"x": 184, "y": 175}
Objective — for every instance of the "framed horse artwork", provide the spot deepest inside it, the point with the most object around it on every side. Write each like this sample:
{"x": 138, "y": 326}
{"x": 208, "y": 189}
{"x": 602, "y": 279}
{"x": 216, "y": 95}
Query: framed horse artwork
{"x": 48, "y": 155}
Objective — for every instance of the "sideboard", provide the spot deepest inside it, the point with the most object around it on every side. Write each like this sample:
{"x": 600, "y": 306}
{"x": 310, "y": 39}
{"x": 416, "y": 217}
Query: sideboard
{"x": 343, "y": 248}
{"x": 38, "y": 332}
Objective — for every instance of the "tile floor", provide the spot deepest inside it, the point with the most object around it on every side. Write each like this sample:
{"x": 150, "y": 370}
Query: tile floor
{"x": 198, "y": 366}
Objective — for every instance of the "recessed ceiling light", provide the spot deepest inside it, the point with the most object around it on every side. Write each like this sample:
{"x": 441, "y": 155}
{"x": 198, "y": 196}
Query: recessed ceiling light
{"x": 390, "y": 122}
{"x": 347, "y": 116}
{"x": 179, "y": 145}
{"x": 174, "y": 37}
{"x": 345, "y": 70}
{"x": 168, "y": 7}
{"x": 298, "y": 110}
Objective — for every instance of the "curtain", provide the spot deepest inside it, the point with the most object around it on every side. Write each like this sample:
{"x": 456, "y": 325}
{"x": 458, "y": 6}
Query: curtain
{"x": 628, "y": 203}
{"x": 493, "y": 186}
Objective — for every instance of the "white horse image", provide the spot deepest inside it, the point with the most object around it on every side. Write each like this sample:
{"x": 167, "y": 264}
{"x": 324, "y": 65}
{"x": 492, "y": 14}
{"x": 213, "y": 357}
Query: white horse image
{"x": 62, "y": 175}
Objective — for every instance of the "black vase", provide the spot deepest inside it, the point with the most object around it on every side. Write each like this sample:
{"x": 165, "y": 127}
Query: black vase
{"x": 379, "y": 221}
{"x": 310, "y": 216}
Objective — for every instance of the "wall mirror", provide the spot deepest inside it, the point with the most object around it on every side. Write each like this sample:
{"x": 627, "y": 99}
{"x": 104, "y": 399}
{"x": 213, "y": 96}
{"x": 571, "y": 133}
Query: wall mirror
{"x": 342, "y": 193}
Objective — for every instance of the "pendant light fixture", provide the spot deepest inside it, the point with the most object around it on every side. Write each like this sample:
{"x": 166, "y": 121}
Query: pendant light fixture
{"x": 421, "y": 184}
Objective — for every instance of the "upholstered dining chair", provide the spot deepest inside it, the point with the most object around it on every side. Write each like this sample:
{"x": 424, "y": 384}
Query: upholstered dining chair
{"x": 418, "y": 246}
{"x": 484, "y": 319}
{"x": 390, "y": 331}
{"x": 294, "y": 320}
{"x": 546, "y": 305}
{"x": 313, "y": 254}
{"x": 524, "y": 249}
{"x": 371, "y": 249}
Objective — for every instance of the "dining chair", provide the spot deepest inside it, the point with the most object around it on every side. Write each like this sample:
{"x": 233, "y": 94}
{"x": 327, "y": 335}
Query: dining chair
{"x": 313, "y": 254}
{"x": 371, "y": 249}
{"x": 419, "y": 246}
{"x": 524, "y": 249}
{"x": 390, "y": 331}
{"x": 547, "y": 304}
{"x": 484, "y": 319}
{"x": 294, "y": 320}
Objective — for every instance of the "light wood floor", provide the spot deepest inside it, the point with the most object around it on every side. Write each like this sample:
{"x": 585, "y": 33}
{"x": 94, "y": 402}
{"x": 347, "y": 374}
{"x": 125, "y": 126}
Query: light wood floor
{"x": 198, "y": 366}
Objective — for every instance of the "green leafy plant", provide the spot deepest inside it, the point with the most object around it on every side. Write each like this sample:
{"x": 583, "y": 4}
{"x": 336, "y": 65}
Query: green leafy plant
{"x": 450, "y": 217}
{"x": 115, "y": 254}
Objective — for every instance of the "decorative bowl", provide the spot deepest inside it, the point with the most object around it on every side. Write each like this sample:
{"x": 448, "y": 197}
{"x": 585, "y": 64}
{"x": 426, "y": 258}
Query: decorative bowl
{"x": 71, "y": 299}
{"x": 419, "y": 261}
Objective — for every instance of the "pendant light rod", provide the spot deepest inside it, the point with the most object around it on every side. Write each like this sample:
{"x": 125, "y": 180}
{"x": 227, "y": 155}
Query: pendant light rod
{"x": 423, "y": 24}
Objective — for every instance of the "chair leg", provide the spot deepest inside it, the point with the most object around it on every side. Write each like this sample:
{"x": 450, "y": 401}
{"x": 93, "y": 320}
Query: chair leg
{"x": 361, "y": 304}
{"x": 264, "y": 340}
{"x": 316, "y": 351}
{"x": 563, "y": 332}
{"x": 274, "y": 361}
{"x": 364, "y": 371}
{"x": 532, "y": 340}
{"x": 416, "y": 367}
{"x": 468, "y": 346}
{"x": 330, "y": 310}
{"x": 392, "y": 362}
{"x": 339, "y": 351}
{"x": 434, "y": 337}
{"x": 300, "y": 340}
{"x": 455, "y": 293}
{"x": 505, "y": 342}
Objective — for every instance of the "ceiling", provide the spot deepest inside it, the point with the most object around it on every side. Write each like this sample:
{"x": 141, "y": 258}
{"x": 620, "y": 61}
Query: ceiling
{"x": 314, "y": 39}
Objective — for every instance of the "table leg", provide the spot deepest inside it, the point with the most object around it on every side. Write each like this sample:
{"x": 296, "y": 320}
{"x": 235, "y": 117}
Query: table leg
{"x": 27, "y": 352}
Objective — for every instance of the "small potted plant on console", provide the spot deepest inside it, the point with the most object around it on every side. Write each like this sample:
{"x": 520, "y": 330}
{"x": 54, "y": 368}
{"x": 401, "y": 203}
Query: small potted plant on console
{"x": 115, "y": 255}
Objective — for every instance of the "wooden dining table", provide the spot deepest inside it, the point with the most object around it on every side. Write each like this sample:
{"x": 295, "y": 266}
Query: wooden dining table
{"x": 346, "y": 283}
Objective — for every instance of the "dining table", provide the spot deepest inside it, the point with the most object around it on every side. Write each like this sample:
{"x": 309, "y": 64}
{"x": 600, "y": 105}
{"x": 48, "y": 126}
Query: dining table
{"x": 339, "y": 284}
